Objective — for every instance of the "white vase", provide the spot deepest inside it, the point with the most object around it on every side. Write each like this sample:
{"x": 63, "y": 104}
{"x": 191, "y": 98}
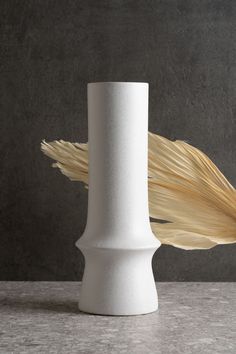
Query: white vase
{"x": 118, "y": 243}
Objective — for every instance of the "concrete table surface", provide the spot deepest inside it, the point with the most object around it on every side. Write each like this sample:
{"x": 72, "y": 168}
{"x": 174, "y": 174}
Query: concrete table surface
{"x": 43, "y": 317}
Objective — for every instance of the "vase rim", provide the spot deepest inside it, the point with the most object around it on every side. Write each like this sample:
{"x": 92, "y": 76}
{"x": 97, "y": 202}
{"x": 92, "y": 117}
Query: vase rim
{"x": 118, "y": 82}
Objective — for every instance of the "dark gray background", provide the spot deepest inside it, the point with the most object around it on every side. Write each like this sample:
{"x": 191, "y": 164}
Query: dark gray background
{"x": 186, "y": 50}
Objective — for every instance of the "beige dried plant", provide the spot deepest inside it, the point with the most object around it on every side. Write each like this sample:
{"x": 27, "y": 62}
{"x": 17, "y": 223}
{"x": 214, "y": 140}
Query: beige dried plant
{"x": 186, "y": 190}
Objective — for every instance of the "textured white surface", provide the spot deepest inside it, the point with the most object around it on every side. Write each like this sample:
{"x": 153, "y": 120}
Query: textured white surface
{"x": 118, "y": 243}
{"x": 43, "y": 317}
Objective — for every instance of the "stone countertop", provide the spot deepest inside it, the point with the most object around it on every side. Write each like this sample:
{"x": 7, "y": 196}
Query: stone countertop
{"x": 43, "y": 317}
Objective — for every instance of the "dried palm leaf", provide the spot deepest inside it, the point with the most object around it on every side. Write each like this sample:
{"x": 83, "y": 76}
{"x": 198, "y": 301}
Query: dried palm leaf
{"x": 72, "y": 158}
{"x": 186, "y": 190}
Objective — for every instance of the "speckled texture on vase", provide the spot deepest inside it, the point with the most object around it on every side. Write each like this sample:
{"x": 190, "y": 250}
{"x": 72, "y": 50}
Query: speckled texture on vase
{"x": 43, "y": 317}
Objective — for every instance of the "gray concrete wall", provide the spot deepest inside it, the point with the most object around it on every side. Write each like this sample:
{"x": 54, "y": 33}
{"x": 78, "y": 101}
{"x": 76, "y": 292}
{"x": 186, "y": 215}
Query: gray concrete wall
{"x": 49, "y": 50}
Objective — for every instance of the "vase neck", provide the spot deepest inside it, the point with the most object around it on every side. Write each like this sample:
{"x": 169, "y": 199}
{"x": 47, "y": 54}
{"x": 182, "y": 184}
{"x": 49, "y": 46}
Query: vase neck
{"x": 118, "y": 155}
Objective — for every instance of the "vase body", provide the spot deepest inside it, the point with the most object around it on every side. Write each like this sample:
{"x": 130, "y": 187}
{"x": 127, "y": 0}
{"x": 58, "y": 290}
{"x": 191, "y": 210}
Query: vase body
{"x": 118, "y": 244}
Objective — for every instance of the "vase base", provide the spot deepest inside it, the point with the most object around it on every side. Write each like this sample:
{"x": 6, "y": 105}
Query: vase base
{"x": 117, "y": 315}
{"x": 118, "y": 282}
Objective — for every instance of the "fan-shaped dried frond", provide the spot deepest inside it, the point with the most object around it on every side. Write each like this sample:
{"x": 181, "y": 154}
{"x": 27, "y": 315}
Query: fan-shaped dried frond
{"x": 185, "y": 188}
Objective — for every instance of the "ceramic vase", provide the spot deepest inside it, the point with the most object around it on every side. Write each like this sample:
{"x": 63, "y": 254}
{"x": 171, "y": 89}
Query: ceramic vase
{"x": 118, "y": 244}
